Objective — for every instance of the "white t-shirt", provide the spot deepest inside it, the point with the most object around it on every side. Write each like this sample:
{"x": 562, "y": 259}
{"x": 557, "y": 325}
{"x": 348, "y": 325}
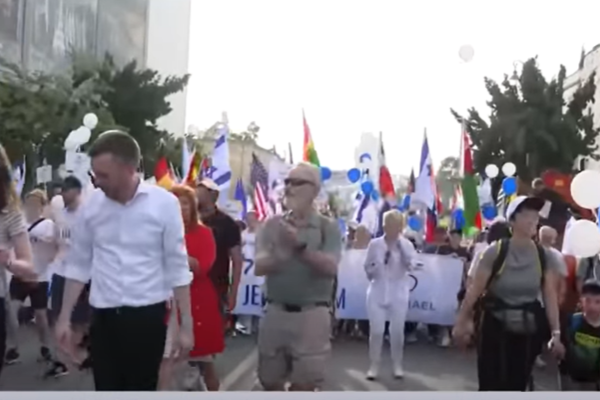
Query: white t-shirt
{"x": 43, "y": 247}
{"x": 64, "y": 222}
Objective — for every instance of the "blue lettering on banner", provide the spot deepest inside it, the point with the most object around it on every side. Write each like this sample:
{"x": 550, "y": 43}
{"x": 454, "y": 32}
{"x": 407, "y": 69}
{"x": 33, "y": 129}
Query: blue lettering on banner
{"x": 249, "y": 265}
{"x": 421, "y": 305}
{"x": 340, "y": 302}
{"x": 253, "y": 296}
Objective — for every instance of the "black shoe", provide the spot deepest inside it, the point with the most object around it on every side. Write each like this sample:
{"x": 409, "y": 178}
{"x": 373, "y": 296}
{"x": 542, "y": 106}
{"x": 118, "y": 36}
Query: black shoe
{"x": 12, "y": 357}
{"x": 45, "y": 355}
{"x": 86, "y": 364}
{"x": 57, "y": 370}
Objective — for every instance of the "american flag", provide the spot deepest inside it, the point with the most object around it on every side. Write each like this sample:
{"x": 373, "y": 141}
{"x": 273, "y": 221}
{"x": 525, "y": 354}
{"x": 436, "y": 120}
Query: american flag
{"x": 259, "y": 179}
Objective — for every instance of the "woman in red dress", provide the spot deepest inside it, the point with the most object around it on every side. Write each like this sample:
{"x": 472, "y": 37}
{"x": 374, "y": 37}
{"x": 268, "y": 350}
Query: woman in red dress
{"x": 209, "y": 339}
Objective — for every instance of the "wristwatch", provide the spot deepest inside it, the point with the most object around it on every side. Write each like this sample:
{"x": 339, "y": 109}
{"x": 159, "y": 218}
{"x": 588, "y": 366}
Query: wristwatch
{"x": 556, "y": 334}
{"x": 301, "y": 248}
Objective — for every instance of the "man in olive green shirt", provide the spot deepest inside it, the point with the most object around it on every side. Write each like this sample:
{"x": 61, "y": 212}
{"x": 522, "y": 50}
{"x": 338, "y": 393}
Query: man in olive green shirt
{"x": 298, "y": 253}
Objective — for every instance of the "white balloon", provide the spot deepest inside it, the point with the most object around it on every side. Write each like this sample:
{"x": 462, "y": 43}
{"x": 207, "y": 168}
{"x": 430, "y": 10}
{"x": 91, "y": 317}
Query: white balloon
{"x": 491, "y": 171}
{"x": 584, "y": 238}
{"x": 466, "y": 52}
{"x": 509, "y": 169}
{"x": 90, "y": 121}
{"x": 585, "y": 189}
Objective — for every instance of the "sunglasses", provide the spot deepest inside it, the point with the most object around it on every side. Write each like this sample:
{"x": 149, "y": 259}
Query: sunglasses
{"x": 386, "y": 258}
{"x": 296, "y": 182}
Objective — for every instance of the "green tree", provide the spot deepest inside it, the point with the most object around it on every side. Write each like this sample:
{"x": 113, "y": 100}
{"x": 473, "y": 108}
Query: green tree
{"x": 137, "y": 98}
{"x": 530, "y": 126}
{"x": 447, "y": 179}
{"x": 39, "y": 110}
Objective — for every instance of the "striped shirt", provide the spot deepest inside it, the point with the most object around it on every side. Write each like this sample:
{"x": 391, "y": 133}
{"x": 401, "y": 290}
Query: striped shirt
{"x": 12, "y": 224}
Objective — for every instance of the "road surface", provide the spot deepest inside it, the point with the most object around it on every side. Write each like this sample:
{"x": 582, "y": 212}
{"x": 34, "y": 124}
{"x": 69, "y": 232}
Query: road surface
{"x": 426, "y": 367}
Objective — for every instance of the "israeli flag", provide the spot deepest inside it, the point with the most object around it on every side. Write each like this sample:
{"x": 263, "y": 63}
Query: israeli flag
{"x": 220, "y": 171}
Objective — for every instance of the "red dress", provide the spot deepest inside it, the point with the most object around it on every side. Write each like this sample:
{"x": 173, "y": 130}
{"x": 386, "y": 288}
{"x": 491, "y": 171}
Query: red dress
{"x": 208, "y": 326}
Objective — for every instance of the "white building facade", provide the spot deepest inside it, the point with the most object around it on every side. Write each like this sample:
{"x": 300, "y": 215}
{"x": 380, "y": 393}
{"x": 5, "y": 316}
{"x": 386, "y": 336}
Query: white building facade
{"x": 591, "y": 64}
{"x": 39, "y": 35}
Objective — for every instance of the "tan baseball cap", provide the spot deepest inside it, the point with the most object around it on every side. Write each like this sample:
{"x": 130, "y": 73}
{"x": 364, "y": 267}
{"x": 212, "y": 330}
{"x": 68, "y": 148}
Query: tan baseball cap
{"x": 209, "y": 184}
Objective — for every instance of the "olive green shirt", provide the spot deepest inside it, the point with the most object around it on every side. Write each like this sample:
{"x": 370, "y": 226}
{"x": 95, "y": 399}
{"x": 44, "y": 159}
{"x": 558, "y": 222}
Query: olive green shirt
{"x": 294, "y": 282}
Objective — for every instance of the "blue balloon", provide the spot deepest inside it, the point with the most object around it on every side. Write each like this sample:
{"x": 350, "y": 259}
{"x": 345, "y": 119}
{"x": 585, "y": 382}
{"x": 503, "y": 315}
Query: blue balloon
{"x": 406, "y": 202}
{"x": 414, "y": 223}
{"x": 375, "y": 195}
{"x": 354, "y": 175}
{"x": 489, "y": 211}
{"x": 509, "y": 185}
{"x": 458, "y": 218}
{"x": 367, "y": 187}
{"x": 325, "y": 173}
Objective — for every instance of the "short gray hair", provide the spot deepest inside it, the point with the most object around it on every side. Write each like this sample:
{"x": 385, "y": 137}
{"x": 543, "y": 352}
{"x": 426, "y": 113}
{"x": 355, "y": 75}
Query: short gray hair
{"x": 313, "y": 170}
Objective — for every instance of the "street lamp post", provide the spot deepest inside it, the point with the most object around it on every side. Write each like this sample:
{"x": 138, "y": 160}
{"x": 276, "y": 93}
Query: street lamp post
{"x": 515, "y": 75}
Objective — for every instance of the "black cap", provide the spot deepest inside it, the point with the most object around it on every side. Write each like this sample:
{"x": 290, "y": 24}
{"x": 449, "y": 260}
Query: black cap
{"x": 71, "y": 182}
{"x": 591, "y": 286}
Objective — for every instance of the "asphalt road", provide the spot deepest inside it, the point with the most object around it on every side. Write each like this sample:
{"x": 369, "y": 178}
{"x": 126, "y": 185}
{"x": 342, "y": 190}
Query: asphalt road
{"x": 427, "y": 368}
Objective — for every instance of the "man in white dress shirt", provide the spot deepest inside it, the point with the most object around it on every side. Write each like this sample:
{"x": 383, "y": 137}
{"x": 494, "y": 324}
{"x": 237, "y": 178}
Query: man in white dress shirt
{"x": 129, "y": 240}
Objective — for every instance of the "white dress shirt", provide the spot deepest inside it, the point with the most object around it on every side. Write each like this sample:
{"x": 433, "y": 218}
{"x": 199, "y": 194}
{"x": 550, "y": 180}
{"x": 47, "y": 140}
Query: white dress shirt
{"x": 388, "y": 280}
{"x": 134, "y": 253}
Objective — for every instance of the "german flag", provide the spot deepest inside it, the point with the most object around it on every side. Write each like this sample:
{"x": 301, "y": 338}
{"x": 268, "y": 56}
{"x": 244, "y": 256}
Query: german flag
{"x": 162, "y": 174}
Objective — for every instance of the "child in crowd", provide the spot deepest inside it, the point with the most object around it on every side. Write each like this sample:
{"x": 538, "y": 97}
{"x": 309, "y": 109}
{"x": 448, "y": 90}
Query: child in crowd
{"x": 580, "y": 369}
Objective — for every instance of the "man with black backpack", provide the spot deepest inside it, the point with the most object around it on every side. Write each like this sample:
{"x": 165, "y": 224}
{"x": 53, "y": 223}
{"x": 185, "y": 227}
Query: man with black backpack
{"x": 505, "y": 290}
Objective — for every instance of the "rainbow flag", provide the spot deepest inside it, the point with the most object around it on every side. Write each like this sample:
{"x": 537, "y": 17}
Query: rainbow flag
{"x": 309, "y": 154}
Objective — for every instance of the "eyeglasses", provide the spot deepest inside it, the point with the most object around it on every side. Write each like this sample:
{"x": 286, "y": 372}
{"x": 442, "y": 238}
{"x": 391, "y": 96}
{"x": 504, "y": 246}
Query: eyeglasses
{"x": 386, "y": 258}
{"x": 296, "y": 182}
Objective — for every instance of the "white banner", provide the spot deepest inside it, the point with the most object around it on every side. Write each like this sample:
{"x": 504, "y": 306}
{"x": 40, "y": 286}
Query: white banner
{"x": 249, "y": 298}
{"x": 432, "y": 298}
{"x": 433, "y": 290}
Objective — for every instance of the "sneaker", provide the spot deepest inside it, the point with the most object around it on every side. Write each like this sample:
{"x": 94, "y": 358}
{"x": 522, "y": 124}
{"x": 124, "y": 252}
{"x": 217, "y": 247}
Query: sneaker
{"x": 373, "y": 372}
{"x": 411, "y": 338}
{"x": 445, "y": 340}
{"x": 57, "y": 370}
{"x": 12, "y": 356}
{"x": 192, "y": 379}
{"x": 86, "y": 364}
{"x": 398, "y": 372}
{"x": 540, "y": 363}
{"x": 45, "y": 354}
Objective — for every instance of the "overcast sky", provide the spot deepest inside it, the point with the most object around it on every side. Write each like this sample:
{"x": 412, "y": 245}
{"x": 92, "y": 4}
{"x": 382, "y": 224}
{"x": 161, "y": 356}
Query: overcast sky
{"x": 369, "y": 66}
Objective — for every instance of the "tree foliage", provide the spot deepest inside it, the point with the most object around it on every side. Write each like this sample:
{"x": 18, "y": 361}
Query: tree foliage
{"x": 39, "y": 110}
{"x": 137, "y": 99}
{"x": 531, "y": 125}
{"x": 447, "y": 179}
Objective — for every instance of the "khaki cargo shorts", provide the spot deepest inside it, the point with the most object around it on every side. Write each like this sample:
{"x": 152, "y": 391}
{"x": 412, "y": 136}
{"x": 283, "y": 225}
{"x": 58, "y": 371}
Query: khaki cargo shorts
{"x": 293, "y": 346}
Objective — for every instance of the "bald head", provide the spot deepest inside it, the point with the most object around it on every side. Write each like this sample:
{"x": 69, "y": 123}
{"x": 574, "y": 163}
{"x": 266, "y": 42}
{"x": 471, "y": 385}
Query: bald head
{"x": 547, "y": 236}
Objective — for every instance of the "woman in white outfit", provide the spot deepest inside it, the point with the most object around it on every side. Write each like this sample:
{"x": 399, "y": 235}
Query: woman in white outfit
{"x": 389, "y": 259}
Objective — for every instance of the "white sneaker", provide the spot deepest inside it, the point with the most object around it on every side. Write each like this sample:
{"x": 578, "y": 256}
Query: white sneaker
{"x": 539, "y": 363}
{"x": 445, "y": 340}
{"x": 411, "y": 338}
{"x": 373, "y": 372}
{"x": 398, "y": 372}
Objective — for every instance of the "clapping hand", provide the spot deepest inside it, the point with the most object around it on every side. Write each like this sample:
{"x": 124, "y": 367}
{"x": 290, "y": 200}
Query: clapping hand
{"x": 289, "y": 233}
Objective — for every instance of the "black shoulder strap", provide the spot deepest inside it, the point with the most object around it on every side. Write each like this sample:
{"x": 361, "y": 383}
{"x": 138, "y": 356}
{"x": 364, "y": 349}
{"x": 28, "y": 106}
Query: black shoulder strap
{"x": 542, "y": 259}
{"x": 591, "y": 263}
{"x": 36, "y": 223}
{"x": 502, "y": 251}
{"x": 542, "y": 256}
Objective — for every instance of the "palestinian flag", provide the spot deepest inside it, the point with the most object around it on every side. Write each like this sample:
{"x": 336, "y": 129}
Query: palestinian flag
{"x": 470, "y": 198}
{"x": 309, "y": 154}
{"x": 162, "y": 174}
